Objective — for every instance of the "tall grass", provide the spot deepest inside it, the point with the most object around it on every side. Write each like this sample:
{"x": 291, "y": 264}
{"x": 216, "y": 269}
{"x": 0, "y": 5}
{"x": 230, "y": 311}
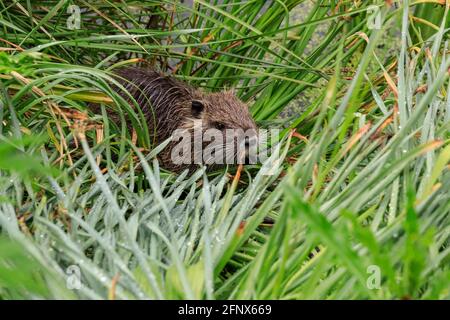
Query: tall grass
{"x": 357, "y": 206}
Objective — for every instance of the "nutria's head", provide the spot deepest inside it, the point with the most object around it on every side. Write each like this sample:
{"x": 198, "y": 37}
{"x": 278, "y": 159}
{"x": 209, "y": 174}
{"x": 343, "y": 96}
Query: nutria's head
{"x": 225, "y": 123}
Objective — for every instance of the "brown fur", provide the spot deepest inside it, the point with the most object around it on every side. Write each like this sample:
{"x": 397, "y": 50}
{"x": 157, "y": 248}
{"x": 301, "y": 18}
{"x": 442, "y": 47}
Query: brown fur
{"x": 167, "y": 105}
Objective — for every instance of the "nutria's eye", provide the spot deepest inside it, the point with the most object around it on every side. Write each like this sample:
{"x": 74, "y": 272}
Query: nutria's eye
{"x": 197, "y": 108}
{"x": 219, "y": 126}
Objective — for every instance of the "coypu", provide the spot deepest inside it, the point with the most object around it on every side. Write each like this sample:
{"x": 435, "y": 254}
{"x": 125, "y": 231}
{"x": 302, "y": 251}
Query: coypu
{"x": 169, "y": 104}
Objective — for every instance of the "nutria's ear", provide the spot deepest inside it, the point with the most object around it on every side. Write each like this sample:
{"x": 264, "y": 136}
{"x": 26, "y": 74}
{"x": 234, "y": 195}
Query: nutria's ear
{"x": 197, "y": 108}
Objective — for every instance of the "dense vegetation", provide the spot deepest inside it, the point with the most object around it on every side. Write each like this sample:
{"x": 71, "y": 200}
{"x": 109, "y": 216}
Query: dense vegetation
{"x": 358, "y": 203}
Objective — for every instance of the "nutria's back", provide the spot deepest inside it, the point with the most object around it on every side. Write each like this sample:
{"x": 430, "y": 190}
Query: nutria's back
{"x": 169, "y": 104}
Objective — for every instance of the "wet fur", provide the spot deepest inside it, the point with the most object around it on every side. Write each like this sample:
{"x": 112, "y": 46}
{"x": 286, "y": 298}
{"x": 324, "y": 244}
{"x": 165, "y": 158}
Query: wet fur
{"x": 167, "y": 105}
